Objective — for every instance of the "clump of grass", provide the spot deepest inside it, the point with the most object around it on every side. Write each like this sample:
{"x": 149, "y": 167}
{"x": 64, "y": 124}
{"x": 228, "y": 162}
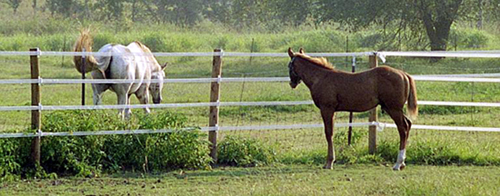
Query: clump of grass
{"x": 238, "y": 151}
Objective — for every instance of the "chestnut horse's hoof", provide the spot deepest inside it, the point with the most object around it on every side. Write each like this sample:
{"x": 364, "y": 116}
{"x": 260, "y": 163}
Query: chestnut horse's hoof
{"x": 399, "y": 167}
{"x": 327, "y": 167}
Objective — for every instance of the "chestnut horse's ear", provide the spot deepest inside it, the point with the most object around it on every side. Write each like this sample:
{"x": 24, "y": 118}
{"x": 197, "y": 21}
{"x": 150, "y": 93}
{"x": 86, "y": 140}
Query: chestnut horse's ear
{"x": 290, "y": 52}
{"x": 301, "y": 50}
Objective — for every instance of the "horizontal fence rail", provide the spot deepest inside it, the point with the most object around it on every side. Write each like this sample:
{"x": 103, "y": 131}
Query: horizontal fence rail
{"x": 208, "y": 104}
{"x": 179, "y": 54}
{"x": 382, "y": 55}
{"x": 458, "y": 54}
{"x": 444, "y": 78}
{"x": 379, "y": 125}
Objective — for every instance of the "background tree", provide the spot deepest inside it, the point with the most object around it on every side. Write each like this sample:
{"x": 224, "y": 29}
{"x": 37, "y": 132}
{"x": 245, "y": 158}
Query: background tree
{"x": 293, "y": 12}
{"x": 218, "y": 11}
{"x": 62, "y": 7}
{"x": 186, "y": 13}
{"x": 14, "y": 4}
{"x": 435, "y": 17}
{"x": 246, "y": 13}
{"x": 34, "y": 6}
{"x": 112, "y": 9}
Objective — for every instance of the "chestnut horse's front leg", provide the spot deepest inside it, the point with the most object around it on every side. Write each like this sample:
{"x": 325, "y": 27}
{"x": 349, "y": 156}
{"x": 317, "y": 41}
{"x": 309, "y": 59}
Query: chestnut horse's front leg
{"x": 328, "y": 114}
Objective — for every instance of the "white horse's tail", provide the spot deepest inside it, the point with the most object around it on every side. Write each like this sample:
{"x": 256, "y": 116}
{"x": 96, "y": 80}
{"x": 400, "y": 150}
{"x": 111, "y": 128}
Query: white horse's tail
{"x": 84, "y": 43}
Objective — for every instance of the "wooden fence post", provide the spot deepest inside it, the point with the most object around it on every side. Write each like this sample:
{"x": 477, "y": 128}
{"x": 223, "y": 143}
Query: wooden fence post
{"x": 35, "y": 101}
{"x": 214, "y": 110}
{"x": 372, "y": 130}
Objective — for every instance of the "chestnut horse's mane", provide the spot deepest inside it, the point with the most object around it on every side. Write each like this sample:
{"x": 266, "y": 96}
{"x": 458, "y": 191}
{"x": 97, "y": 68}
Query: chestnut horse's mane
{"x": 322, "y": 62}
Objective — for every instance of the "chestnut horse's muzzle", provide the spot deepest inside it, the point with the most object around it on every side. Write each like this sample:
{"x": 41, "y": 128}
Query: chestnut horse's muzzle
{"x": 293, "y": 84}
{"x": 294, "y": 77}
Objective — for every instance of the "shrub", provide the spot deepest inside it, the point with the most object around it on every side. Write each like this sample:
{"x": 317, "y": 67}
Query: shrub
{"x": 468, "y": 38}
{"x": 57, "y": 43}
{"x": 9, "y": 160}
{"x": 91, "y": 155}
{"x": 101, "y": 39}
{"x": 155, "y": 42}
{"x": 315, "y": 41}
{"x": 238, "y": 151}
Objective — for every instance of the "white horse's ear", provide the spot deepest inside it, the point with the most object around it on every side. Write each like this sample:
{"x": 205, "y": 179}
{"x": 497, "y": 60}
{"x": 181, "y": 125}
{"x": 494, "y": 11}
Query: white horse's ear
{"x": 164, "y": 66}
{"x": 290, "y": 52}
{"x": 301, "y": 50}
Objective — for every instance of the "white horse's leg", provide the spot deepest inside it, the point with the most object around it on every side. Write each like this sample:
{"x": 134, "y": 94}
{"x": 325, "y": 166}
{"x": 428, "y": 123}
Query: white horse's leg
{"x": 128, "y": 111}
{"x": 97, "y": 96}
{"x": 98, "y": 89}
{"x": 143, "y": 96}
{"x": 122, "y": 100}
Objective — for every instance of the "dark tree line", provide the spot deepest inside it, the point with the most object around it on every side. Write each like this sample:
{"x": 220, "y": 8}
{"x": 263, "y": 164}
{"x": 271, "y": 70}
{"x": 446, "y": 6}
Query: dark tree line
{"x": 434, "y": 18}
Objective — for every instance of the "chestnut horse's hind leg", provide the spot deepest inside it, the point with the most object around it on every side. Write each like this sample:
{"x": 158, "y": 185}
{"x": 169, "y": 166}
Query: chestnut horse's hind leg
{"x": 328, "y": 115}
{"x": 404, "y": 125}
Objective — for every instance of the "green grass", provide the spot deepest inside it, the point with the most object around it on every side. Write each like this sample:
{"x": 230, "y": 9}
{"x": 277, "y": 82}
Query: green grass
{"x": 439, "y": 162}
{"x": 278, "y": 180}
{"x": 295, "y": 148}
{"x": 302, "y": 141}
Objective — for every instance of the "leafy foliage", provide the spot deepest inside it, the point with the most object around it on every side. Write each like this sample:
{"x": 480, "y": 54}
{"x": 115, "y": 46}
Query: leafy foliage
{"x": 238, "y": 151}
{"x": 90, "y": 155}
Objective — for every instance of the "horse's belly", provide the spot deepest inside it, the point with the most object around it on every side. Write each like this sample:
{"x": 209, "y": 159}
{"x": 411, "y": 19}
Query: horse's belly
{"x": 357, "y": 104}
{"x": 134, "y": 88}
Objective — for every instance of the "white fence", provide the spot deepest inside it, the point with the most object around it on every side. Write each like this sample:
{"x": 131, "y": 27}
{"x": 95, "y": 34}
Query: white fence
{"x": 380, "y": 125}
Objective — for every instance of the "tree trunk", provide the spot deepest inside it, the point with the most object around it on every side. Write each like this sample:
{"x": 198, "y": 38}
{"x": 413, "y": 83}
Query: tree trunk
{"x": 87, "y": 10}
{"x": 134, "y": 10}
{"x": 34, "y": 8}
{"x": 438, "y": 27}
{"x": 479, "y": 24}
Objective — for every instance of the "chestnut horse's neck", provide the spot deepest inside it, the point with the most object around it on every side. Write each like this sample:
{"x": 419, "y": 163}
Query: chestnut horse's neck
{"x": 310, "y": 72}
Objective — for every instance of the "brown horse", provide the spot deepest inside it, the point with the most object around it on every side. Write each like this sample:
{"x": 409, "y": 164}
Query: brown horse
{"x": 334, "y": 90}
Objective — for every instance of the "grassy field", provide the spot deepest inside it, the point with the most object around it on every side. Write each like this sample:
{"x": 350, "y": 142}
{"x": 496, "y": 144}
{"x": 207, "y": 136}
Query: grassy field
{"x": 359, "y": 179}
{"x": 440, "y": 162}
{"x": 295, "y": 145}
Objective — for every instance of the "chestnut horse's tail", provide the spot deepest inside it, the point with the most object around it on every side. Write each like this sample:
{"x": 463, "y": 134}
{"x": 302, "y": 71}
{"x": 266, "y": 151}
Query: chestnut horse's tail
{"x": 84, "y": 42}
{"x": 412, "y": 106}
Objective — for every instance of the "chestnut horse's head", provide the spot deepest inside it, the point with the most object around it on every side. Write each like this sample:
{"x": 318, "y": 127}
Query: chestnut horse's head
{"x": 294, "y": 77}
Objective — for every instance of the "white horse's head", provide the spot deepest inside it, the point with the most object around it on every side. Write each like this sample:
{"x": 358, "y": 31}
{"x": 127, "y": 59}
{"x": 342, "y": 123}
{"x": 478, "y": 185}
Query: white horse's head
{"x": 155, "y": 88}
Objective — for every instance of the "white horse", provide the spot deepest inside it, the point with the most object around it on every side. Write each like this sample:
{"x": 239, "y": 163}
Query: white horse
{"x": 132, "y": 62}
